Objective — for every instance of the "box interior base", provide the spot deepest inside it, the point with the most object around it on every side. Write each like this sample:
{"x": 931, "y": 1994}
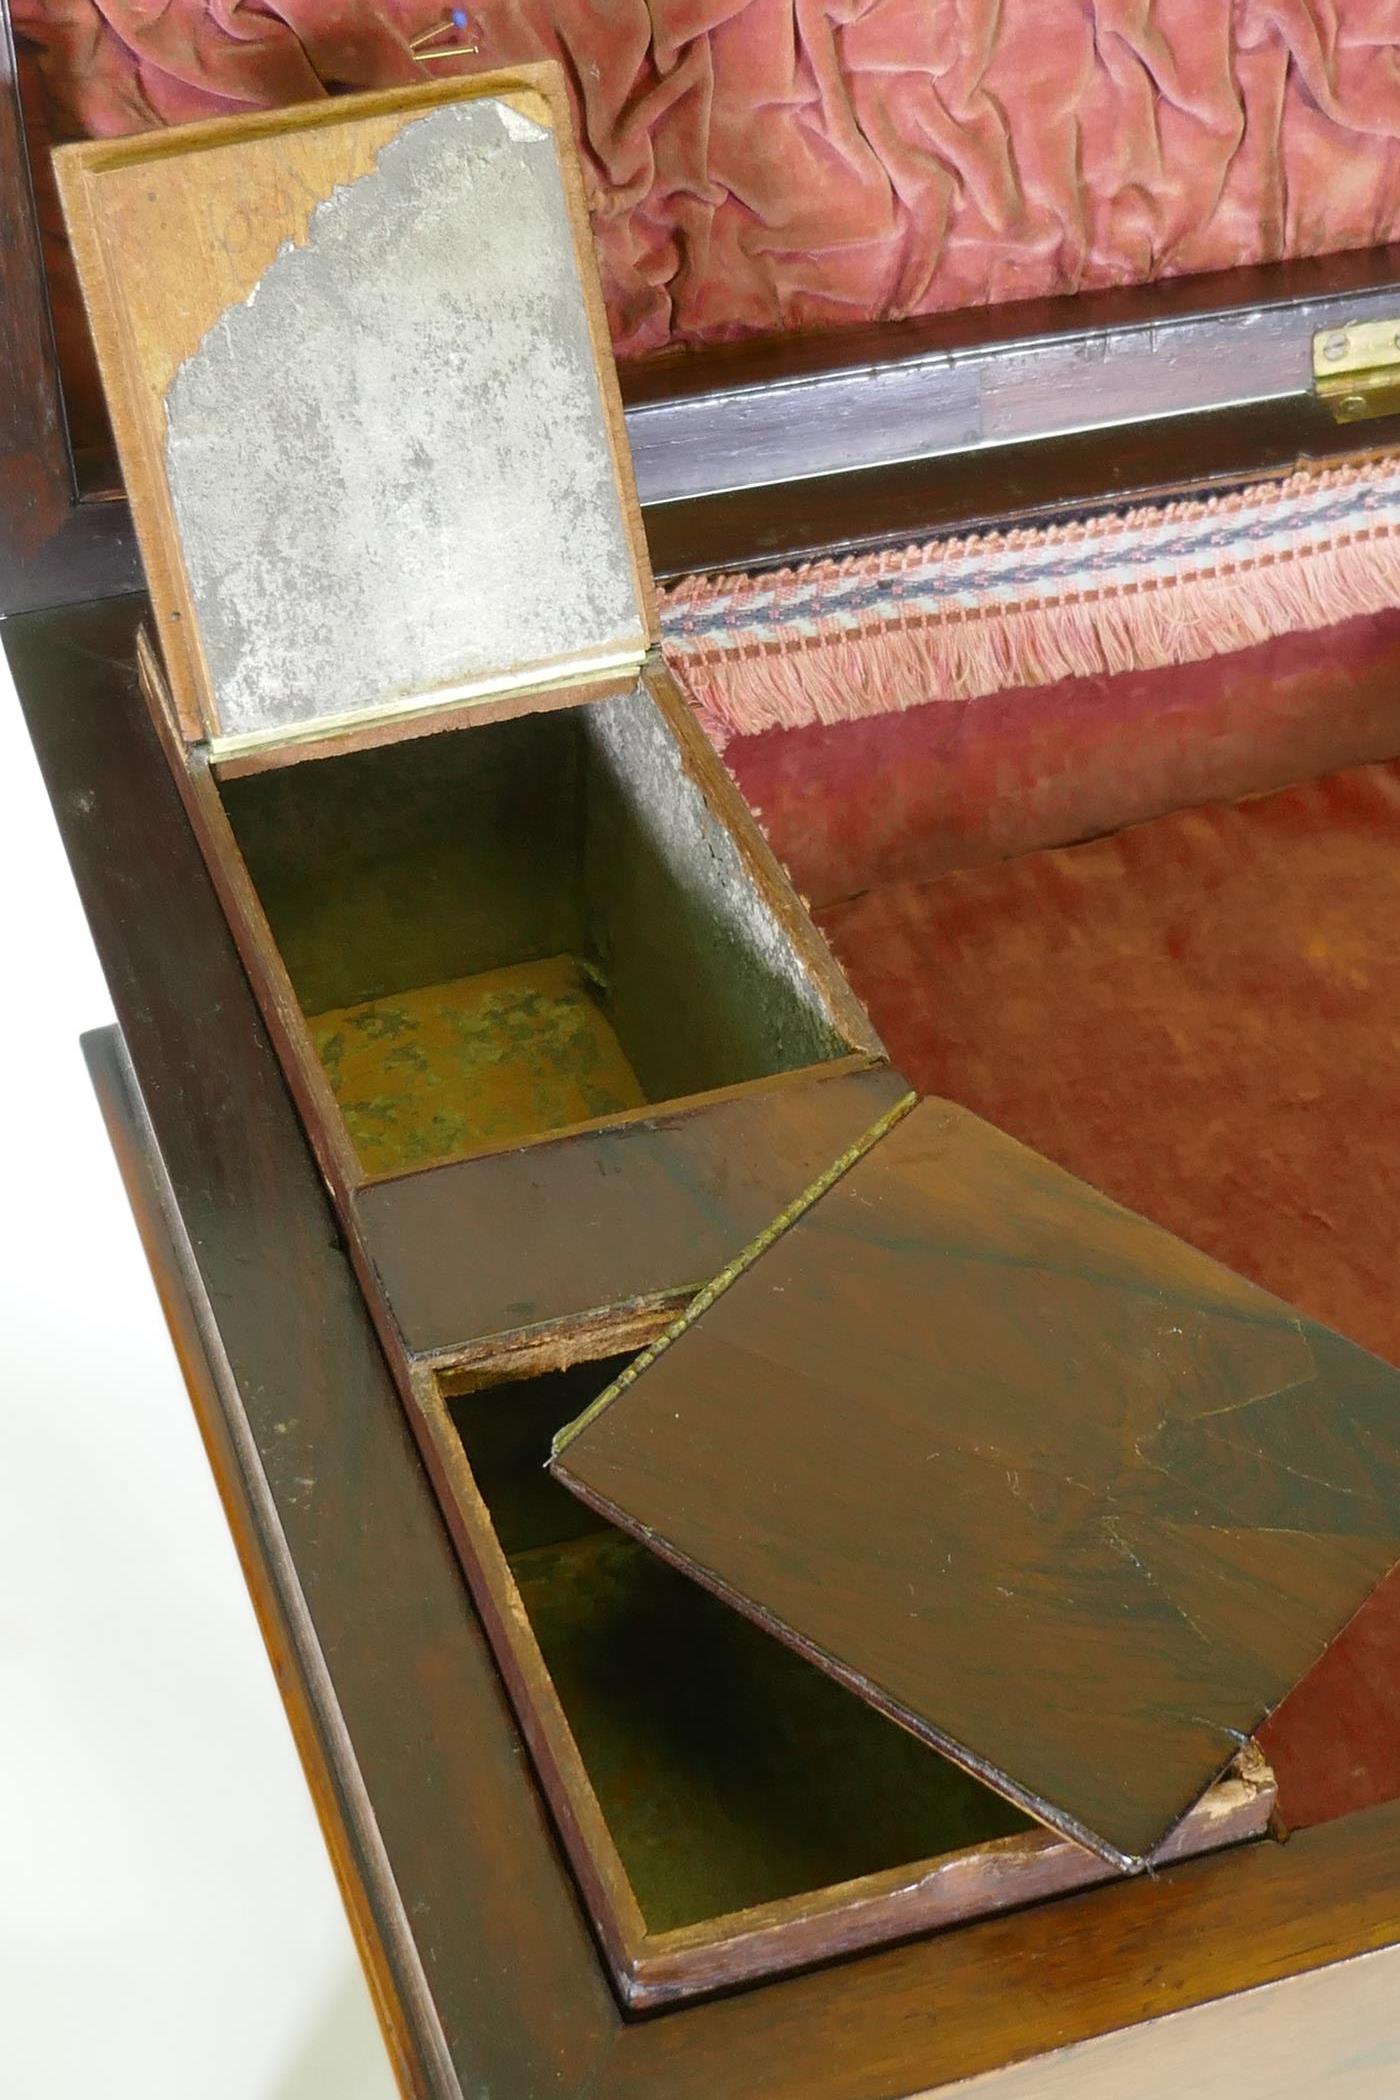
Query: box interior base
{"x": 730, "y": 1772}
{"x": 427, "y": 1073}
{"x": 509, "y": 929}
{"x": 1198, "y": 1013}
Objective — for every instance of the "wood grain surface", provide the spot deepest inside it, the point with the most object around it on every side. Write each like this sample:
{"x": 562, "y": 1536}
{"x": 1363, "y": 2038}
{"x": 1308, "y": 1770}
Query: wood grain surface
{"x": 615, "y": 1217}
{"x": 1336, "y": 2032}
{"x": 1069, "y": 1499}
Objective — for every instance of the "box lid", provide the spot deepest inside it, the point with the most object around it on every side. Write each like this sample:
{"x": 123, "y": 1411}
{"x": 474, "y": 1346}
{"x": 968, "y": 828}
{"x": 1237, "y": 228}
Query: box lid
{"x": 1065, "y": 1497}
{"x": 366, "y": 408}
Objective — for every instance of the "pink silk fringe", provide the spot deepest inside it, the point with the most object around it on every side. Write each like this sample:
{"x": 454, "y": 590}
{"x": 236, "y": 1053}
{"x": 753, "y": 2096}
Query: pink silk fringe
{"x": 875, "y": 634}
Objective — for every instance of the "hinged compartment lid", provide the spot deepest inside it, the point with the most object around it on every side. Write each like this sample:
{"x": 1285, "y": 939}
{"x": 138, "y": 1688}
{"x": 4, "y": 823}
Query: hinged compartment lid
{"x": 362, "y": 387}
{"x": 1064, "y": 1496}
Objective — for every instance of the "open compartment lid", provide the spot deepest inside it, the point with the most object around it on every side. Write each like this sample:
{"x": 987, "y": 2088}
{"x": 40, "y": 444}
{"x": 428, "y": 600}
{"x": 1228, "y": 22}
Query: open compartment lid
{"x": 362, "y": 388}
{"x": 1066, "y": 1498}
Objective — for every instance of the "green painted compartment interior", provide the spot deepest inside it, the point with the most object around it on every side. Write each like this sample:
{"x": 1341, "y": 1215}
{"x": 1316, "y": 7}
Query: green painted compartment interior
{"x": 572, "y": 838}
{"x": 730, "y": 1772}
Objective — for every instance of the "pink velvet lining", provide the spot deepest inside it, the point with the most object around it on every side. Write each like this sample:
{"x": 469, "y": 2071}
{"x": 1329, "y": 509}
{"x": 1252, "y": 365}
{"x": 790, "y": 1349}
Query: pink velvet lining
{"x": 1199, "y": 1015}
{"x": 770, "y": 165}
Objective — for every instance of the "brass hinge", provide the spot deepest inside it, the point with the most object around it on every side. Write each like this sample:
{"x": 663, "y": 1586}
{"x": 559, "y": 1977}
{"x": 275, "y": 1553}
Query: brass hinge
{"x": 1356, "y": 370}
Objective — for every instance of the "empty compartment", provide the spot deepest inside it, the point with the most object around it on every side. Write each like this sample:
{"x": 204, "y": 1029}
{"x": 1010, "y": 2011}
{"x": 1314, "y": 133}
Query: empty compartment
{"x": 514, "y": 928}
{"x": 730, "y": 1773}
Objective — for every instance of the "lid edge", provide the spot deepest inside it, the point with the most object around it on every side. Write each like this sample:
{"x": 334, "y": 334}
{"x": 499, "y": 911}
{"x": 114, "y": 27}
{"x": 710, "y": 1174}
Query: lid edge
{"x": 716, "y": 1288}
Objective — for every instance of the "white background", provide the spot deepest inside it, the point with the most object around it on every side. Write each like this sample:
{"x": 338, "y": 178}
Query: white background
{"x": 169, "y": 1926}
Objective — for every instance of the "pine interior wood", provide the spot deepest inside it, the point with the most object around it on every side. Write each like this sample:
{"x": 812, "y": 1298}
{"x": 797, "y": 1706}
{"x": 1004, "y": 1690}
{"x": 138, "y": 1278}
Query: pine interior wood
{"x": 1067, "y": 1498}
{"x": 423, "y": 856}
{"x": 173, "y": 231}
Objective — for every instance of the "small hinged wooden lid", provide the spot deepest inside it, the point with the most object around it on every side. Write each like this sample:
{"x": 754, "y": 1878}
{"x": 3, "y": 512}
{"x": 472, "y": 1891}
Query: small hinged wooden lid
{"x": 362, "y": 387}
{"x": 1062, "y": 1495}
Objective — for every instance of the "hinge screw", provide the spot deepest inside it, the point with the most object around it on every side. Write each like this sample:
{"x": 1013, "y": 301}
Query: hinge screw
{"x": 1334, "y": 347}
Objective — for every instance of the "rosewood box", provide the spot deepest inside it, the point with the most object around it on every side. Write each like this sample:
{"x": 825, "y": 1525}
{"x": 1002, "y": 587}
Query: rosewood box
{"x": 926, "y": 1561}
{"x": 499, "y": 904}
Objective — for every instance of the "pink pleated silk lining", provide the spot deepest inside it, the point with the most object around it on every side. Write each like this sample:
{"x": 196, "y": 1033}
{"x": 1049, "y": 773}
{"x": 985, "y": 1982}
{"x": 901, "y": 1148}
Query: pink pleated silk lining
{"x": 764, "y": 166}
